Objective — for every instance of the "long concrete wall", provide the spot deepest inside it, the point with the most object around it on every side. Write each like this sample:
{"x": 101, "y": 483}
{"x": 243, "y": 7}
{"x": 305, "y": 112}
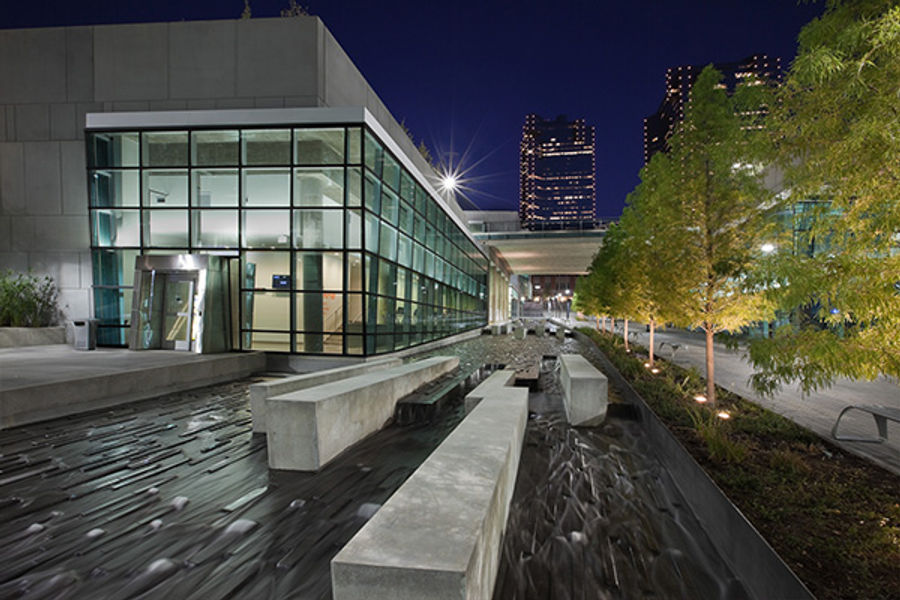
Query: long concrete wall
{"x": 52, "y": 77}
{"x": 439, "y": 535}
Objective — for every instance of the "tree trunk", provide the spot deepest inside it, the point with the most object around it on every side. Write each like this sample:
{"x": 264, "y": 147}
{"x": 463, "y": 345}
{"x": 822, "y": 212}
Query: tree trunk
{"x": 652, "y": 331}
{"x": 597, "y": 322}
{"x": 710, "y": 369}
{"x": 625, "y": 336}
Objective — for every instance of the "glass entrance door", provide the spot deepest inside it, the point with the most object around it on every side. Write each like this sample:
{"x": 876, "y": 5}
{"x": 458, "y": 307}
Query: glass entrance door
{"x": 178, "y": 308}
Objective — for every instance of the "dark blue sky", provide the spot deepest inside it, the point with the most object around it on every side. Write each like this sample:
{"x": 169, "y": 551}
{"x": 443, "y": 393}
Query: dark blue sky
{"x": 463, "y": 75}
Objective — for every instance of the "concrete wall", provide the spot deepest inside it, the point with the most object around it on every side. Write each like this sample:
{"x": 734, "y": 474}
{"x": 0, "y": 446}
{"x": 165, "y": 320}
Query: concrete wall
{"x": 52, "y": 77}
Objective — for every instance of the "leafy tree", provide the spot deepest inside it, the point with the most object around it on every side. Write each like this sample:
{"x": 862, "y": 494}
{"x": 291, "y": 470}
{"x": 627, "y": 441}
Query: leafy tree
{"x": 649, "y": 261}
{"x": 247, "y": 12}
{"x": 717, "y": 219}
{"x": 838, "y": 125}
{"x": 602, "y": 291}
{"x": 294, "y": 10}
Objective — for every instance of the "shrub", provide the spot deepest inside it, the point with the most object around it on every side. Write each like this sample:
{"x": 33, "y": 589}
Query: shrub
{"x": 27, "y": 300}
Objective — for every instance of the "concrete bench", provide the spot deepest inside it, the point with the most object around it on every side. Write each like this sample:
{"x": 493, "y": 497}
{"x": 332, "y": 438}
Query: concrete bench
{"x": 520, "y": 331}
{"x": 308, "y": 428}
{"x": 585, "y": 390}
{"x": 493, "y": 383}
{"x": 439, "y": 536}
{"x": 261, "y": 392}
{"x": 881, "y": 414}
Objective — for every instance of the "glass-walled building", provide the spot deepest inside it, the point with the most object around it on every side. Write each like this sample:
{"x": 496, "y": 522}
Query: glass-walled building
{"x": 341, "y": 244}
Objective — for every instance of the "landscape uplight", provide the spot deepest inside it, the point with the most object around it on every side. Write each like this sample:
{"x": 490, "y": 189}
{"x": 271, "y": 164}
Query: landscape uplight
{"x": 700, "y": 398}
{"x": 723, "y": 415}
{"x": 767, "y": 248}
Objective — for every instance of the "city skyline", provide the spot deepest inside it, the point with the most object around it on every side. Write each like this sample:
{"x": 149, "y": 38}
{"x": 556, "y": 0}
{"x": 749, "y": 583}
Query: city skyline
{"x": 462, "y": 79}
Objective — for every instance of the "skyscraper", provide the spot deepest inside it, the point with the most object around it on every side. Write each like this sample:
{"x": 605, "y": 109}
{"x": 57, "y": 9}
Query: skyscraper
{"x": 659, "y": 126}
{"x": 556, "y": 167}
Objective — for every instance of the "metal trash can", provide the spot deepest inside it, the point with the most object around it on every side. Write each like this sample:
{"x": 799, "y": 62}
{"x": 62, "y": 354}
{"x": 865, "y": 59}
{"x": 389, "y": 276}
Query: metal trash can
{"x": 85, "y": 334}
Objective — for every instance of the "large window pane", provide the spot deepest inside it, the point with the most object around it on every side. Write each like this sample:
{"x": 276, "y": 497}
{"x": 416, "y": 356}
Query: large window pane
{"x": 319, "y": 271}
{"x": 266, "y": 229}
{"x": 406, "y": 218}
{"x": 267, "y": 187}
{"x": 163, "y": 189}
{"x": 113, "y": 149}
{"x": 354, "y": 186}
{"x": 372, "y": 224}
{"x": 319, "y": 187}
{"x": 165, "y": 148}
{"x": 115, "y": 228}
{"x": 214, "y": 148}
{"x": 113, "y": 306}
{"x": 266, "y": 147}
{"x": 373, "y": 193}
{"x": 215, "y": 228}
{"x": 270, "y": 310}
{"x": 166, "y": 228}
{"x": 354, "y": 313}
{"x": 113, "y": 267}
{"x": 354, "y": 145}
{"x": 267, "y": 269}
{"x": 320, "y": 343}
{"x": 215, "y": 187}
{"x": 391, "y": 172}
{"x": 319, "y": 311}
{"x": 354, "y": 229}
{"x": 114, "y": 188}
{"x": 268, "y": 341}
{"x": 319, "y": 146}
{"x": 354, "y": 272}
{"x": 389, "y": 206}
{"x": 388, "y": 242}
{"x": 387, "y": 278}
{"x": 404, "y": 251}
{"x": 374, "y": 154}
{"x": 318, "y": 228}
{"x": 407, "y": 187}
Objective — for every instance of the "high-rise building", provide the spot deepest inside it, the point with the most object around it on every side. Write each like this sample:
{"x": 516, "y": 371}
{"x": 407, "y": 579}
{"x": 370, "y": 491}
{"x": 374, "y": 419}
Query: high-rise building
{"x": 557, "y": 173}
{"x": 659, "y": 126}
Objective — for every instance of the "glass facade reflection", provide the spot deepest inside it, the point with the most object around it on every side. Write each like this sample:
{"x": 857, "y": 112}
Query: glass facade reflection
{"x": 342, "y": 250}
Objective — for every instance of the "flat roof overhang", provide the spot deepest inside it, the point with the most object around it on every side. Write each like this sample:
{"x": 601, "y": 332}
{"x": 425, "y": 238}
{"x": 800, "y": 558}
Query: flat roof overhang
{"x": 546, "y": 252}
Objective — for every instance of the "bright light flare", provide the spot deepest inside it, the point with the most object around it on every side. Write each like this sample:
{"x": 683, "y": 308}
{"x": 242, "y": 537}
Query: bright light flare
{"x": 449, "y": 182}
{"x": 723, "y": 415}
{"x": 767, "y": 248}
{"x": 700, "y": 398}
{"x": 654, "y": 370}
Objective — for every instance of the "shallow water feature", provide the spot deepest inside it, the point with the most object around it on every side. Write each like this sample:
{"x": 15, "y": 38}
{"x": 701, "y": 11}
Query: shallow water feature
{"x": 594, "y": 516}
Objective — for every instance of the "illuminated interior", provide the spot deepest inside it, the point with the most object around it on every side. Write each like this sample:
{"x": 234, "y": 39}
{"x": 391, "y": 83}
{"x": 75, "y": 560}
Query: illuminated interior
{"x": 343, "y": 250}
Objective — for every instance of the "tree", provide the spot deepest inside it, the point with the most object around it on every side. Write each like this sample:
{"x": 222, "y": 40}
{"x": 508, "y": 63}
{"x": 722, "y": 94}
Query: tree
{"x": 246, "y": 13}
{"x": 838, "y": 126}
{"x": 294, "y": 10}
{"x": 602, "y": 291}
{"x": 718, "y": 218}
{"x": 648, "y": 260}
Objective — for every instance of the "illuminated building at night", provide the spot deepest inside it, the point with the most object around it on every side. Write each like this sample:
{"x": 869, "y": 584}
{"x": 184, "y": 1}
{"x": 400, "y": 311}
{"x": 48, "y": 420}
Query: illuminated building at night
{"x": 659, "y": 126}
{"x": 556, "y": 168}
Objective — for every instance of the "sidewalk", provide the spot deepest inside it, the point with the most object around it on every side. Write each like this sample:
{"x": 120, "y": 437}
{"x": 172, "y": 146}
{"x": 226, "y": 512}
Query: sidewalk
{"x": 817, "y": 412}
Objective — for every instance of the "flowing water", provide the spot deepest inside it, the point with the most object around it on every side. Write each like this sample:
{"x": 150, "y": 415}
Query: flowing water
{"x": 173, "y": 498}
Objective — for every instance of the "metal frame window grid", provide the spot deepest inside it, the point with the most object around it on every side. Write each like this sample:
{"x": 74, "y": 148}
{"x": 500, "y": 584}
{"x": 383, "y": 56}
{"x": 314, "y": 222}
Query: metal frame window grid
{"x": 461, "y": 305}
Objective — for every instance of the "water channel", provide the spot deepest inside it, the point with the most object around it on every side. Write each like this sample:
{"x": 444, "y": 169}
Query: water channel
{"x": 172, "y": 497}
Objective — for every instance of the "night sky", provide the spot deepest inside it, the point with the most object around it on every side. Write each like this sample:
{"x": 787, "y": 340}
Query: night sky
{"x": 463, "y": 75}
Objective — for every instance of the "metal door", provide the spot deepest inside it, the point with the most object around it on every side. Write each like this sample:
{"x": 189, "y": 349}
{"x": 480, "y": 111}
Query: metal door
{"x": 178, "y": 310}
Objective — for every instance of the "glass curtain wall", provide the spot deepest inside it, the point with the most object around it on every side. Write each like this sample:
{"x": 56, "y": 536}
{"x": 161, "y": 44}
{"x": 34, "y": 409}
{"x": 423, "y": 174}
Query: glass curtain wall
{"x": 342, "y": 251}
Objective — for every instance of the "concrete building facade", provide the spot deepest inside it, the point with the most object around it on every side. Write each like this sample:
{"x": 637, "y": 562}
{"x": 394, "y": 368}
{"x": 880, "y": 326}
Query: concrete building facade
{"x": 54, "y": 77}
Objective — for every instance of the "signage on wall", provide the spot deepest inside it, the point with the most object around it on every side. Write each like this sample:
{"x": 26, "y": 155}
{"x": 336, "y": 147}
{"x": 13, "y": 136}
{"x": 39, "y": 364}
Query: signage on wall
{"x": 281, "y": 282}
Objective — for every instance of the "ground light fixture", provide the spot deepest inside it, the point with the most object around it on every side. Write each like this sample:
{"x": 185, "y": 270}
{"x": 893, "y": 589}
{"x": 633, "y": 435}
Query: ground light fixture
{"x": 700, "y": 398}
{"x": 723, "y": 415}
{"x": 767, "y": 248}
